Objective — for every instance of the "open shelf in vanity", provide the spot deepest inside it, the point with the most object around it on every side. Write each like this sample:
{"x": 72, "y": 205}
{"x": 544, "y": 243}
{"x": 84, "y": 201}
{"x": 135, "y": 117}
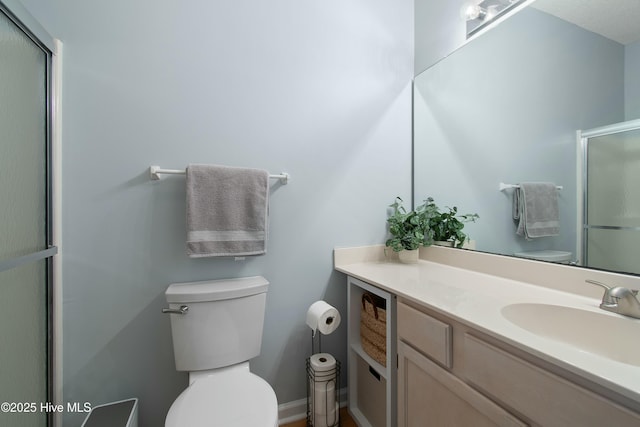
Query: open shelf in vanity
{"x": 372, "y": 386}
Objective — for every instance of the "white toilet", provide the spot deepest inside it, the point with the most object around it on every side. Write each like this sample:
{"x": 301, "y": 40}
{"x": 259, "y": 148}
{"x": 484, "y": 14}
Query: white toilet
{"x": 220, "y": 330}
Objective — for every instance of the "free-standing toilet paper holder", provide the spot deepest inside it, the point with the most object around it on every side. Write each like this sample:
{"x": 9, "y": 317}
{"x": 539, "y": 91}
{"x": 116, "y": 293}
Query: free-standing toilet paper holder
{"x": 323, "y": 387}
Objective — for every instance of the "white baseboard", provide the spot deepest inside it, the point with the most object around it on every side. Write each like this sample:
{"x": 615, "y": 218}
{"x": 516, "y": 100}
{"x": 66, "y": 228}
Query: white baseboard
{"x": 297, "y": 410}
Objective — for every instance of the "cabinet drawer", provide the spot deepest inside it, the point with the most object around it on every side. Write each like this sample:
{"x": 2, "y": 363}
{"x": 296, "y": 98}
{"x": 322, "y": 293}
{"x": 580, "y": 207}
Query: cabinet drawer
{"x": 425, "y": 333}
{"x": 537, "y": 394}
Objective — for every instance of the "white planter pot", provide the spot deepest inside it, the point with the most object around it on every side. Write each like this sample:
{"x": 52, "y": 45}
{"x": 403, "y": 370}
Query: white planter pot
{"x": 447, "y": 243}
{"x": 408, "y": 257}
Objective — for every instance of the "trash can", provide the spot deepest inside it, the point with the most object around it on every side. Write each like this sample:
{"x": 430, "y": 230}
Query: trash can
{"x": 123, "y": 413}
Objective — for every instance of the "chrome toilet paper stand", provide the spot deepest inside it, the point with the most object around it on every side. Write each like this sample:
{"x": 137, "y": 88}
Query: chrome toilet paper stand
{"x": 317, "y": 380}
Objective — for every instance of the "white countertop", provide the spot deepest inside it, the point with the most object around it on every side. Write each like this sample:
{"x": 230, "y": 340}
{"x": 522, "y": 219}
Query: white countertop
{"x": 476, "y": 299}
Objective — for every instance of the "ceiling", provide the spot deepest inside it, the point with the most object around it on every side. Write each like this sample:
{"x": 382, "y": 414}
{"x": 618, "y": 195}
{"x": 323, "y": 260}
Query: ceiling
{"x": 618, "y": 20}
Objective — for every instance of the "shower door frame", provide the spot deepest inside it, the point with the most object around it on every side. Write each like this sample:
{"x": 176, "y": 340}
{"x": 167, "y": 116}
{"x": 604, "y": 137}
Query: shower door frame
{"x": 15, "y": 12}
{"x": 583, "y": 139}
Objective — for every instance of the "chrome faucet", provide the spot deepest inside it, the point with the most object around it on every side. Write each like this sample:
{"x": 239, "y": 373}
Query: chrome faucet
{"x": 619, "y": 300}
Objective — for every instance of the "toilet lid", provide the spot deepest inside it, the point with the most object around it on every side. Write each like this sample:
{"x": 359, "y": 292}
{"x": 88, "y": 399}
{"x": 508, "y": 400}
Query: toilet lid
{"x": 230, "y": 399}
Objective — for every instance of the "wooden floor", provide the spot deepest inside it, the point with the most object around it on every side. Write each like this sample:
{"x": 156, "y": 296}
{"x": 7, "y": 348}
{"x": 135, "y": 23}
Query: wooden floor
{"x": 345, "y": 421}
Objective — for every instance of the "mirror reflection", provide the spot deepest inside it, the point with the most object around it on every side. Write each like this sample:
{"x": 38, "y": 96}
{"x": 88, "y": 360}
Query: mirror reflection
{"x": 480, "y": 13}
{"x": 508, "y": 107}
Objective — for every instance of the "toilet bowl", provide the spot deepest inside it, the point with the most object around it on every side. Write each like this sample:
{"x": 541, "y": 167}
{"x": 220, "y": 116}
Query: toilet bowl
{"x": 231, "y": 398}
{"x": 216, "y": 328}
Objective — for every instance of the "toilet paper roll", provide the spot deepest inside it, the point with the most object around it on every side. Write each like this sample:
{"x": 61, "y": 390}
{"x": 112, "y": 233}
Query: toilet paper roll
{"x": 322, "y": 362}
{"x": 326, "y": 420}
{"x": 323, "y": 317}
{"x": 329, "y": 419}
{"x": 324, "y": 398}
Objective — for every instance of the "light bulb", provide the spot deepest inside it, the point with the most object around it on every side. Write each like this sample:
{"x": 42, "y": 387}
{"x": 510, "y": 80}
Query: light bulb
{"x": 471, "y": 10}
{"x": 491, "y": 12}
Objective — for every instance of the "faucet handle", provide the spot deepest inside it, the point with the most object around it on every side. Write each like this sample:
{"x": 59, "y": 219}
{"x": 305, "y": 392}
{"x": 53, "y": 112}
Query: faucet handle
{"x": 595, "y": 282}
{"x": 607, "y": 298}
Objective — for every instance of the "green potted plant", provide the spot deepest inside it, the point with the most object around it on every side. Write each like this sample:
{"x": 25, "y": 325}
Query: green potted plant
{"x": 447, "y": 227}
{"x": 410, "y": 230}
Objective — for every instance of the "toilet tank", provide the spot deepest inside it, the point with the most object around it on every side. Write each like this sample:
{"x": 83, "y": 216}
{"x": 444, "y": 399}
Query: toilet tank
{"x": 223, "y": 323}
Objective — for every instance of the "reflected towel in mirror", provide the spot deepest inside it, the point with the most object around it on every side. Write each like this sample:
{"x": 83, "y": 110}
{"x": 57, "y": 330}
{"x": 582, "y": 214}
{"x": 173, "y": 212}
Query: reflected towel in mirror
{"x": 535, "y": 207}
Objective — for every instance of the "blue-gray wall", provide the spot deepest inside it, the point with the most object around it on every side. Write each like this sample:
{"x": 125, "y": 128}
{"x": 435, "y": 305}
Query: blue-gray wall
{"x": 505, "y": 108}
{"x": 320, "y": 90}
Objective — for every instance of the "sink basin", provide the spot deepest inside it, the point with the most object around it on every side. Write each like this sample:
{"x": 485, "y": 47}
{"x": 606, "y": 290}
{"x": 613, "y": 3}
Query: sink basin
{"x": 610, "y": 336}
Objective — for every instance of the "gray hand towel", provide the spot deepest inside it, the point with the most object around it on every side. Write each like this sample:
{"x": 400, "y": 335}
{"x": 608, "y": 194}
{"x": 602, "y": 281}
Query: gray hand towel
{"x": 227, "y": 211}
{"x": 535, "y": 207}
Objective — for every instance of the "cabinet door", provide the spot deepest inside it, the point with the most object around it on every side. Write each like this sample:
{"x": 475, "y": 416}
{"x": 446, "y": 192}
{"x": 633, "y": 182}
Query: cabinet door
{"x": 542, "y": 397}
{"x": 428, "y": 395}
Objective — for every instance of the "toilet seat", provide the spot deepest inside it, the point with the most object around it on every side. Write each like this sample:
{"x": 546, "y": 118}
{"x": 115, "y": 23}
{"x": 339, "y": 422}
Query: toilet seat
{"x": 230, "y": 399}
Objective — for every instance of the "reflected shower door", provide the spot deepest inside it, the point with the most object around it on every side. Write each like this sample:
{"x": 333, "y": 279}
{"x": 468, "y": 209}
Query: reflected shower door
{"x": 24, "y": 240}
{"x": 612, "y": 199}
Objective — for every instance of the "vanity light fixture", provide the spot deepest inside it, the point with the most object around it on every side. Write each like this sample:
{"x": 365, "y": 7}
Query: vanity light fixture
{"x": 479, "y": 13}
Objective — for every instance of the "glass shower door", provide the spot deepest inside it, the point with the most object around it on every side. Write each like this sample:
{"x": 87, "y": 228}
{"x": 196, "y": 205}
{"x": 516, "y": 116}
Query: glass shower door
{"x": 612, "y": 198}
{"x": 25, "y": 250}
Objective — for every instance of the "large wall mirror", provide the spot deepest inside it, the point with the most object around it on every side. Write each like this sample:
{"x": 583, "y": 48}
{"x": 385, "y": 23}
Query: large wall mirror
{"x": 507, "y": 107}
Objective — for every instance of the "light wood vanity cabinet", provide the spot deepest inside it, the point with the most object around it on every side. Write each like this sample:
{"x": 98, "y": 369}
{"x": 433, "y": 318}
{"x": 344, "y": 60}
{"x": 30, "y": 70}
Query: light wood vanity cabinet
{"x": 452, "y": 375}
{"x": 428, "y": 393}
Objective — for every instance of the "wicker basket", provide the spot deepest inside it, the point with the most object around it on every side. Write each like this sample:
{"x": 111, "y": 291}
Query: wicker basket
{"x": 373, "y": 328}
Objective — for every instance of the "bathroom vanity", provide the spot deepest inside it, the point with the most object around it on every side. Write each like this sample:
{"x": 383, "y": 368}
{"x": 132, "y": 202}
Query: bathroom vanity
{"x": 477, "y": 344}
